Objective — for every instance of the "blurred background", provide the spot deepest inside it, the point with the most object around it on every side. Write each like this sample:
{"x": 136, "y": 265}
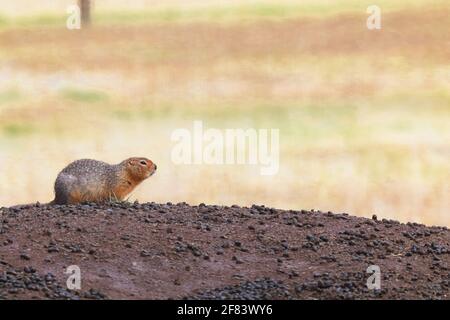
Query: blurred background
{"x": 364, "y": 116}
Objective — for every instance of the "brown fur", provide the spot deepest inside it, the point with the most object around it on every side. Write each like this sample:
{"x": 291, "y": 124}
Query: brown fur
{"x": 96, "y": 181}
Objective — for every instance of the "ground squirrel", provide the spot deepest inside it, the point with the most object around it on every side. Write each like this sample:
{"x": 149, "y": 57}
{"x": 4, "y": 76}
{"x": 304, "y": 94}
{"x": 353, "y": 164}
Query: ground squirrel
{"x": 96, "y": 181}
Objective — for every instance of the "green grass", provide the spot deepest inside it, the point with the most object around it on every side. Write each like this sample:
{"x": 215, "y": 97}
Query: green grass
{"x": 309, "y": 123}
{"x": 223, "y": 13}
{"x": 9, "y": 96}
{"x": 4, "y": 21}
{"x": 18, "y": 129}
{"x": 83, "y": 95}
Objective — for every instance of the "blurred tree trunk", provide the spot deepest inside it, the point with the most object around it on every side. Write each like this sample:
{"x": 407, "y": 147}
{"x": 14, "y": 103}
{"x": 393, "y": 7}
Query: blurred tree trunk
{"x": 85, "y": 8}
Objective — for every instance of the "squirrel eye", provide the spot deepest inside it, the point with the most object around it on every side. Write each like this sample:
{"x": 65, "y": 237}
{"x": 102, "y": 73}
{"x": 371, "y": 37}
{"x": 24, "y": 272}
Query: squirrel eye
{"x": 144, "y": 163}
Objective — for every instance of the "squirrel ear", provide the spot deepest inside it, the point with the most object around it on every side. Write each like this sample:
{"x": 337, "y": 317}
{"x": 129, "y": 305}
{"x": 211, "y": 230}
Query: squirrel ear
{"x": 130, "y": 162}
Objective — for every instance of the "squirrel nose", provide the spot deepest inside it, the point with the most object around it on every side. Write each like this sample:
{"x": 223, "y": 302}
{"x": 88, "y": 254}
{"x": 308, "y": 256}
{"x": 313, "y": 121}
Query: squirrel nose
{"x": 156, "y": 167}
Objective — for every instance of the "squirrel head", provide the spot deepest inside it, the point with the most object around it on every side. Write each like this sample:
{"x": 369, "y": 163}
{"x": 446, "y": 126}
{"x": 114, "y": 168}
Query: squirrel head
{"x": 139, "y": 168}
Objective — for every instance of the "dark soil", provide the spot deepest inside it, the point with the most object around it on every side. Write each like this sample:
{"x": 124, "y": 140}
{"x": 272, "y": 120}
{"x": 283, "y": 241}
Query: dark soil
{"x": 161, "y": 251}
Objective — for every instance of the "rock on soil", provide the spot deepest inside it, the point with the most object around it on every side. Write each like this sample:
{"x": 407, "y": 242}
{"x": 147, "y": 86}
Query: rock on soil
{"x": 161, "y": 251}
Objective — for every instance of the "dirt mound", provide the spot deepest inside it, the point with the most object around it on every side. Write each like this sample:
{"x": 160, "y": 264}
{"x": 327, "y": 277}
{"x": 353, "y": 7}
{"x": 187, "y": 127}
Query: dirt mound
{"x": 160, "y": 251}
